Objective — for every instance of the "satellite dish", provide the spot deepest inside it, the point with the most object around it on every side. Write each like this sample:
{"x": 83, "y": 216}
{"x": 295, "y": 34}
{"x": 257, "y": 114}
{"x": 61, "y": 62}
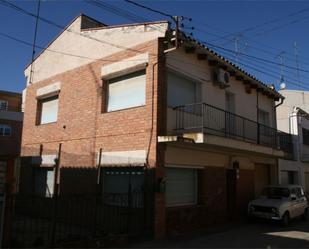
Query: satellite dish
{"x": 282, "y": 86}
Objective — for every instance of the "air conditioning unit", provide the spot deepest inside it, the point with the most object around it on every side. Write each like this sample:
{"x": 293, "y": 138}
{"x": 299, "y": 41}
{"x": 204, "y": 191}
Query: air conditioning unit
{"x": 221, "y": 78}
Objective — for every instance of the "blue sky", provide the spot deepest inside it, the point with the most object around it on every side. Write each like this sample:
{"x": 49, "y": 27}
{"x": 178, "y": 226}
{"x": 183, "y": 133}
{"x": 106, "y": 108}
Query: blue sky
{"x": 263, "y": 29}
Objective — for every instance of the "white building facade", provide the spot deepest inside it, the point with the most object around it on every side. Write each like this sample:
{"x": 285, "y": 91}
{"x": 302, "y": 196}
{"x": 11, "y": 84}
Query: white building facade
{"x": 293, "y": 117}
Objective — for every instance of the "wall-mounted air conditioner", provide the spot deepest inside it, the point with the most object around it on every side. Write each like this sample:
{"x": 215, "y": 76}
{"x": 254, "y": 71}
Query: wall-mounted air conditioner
{"x": 221, "y": 78}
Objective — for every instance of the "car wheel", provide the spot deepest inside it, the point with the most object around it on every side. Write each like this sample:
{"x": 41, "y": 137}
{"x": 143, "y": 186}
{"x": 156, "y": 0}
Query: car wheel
{"x": 305, "y": 214}
{"x": 286, "y": 219}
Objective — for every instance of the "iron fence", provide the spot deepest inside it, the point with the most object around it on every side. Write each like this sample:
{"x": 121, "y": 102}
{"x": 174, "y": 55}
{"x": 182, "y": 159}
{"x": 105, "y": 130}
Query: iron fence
{"x": 205, "y": 118}
{"x": 41, "y": 222}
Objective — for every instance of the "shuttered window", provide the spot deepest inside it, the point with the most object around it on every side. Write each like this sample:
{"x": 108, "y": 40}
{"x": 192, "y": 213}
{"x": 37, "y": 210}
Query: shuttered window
{"x": 127, "y": 91}
{"x": 49, "y": 110}
{"x": 181, "y": 186}
{"x": 181, "y": 90}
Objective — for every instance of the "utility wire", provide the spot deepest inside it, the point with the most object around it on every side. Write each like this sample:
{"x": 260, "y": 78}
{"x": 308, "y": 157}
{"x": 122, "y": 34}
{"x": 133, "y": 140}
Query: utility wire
{"x": 150, "y": 9}
{"x": 120, "y": 12}
{"x": 58, "y": 52}
{"x": 251, "y": 56}
{"x": 267, "y": 23}
{"x": 8, "y": 4}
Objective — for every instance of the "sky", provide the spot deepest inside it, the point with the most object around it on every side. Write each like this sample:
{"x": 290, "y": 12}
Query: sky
{"x": 262, "y": 32}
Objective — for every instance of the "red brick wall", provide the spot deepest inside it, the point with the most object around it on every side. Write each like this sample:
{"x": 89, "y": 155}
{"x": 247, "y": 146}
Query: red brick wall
{"x": 14, "y": 101}
{"x": 10, "y": 145}
{"x": 86, "y": 128}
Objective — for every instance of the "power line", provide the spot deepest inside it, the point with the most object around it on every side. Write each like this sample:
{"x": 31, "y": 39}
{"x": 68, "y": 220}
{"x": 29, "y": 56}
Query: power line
{"x": 116, "y": 10}
{"x": 8, "y": 4}
{"x": 150, "y": 9}
{"x": 120, "y": 12}
{"x": 58, "y": 52}
{"x": 251, "y": 56}
{"x": 249, "y": 29}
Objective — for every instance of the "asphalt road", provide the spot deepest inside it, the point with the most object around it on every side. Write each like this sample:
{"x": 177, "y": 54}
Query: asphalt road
{"x": 256, "y": 235}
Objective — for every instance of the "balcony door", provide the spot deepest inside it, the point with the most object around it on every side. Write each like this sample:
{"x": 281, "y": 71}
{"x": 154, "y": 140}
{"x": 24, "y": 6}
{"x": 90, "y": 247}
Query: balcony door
{"x": 230, "y": 120}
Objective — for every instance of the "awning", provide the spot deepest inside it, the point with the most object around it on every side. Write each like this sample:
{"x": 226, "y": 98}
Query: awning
{"x": 123, "y": 158}
{"x": 44, "y": 160}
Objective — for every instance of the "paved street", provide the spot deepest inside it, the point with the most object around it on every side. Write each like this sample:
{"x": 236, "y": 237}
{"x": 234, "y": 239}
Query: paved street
{"x": 257, "y": 235}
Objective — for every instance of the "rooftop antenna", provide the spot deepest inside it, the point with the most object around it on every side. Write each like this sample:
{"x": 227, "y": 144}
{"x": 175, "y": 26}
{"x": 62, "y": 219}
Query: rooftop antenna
{"x": 34, "y": 41}
{"x": 238, "y": 49}
{"x": 297, "y": 63}
{"x": 281, "y": 57}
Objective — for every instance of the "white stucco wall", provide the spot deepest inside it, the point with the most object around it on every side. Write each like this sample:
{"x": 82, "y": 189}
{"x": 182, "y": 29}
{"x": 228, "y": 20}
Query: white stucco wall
{"x": 289, "y": 121}
{"x": 199, "y": 70}
{"x": 106, "y": 41}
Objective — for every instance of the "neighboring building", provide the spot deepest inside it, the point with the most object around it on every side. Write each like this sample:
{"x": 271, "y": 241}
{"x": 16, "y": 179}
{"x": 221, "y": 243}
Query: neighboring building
{"x": 293, "y": 117}
{"x": 11, "y": 119}
{"x": 202, "y": 126}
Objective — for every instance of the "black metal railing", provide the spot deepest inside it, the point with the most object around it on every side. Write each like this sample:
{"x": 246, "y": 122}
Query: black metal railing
{"x": 205, "y": 118}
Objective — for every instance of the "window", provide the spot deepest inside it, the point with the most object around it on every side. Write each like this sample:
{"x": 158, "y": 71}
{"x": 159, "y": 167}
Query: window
{"x": 264, "y": 121}
{"x": 4, "y": 105}
{"x": 181, "y": 90}
{"x": 181, "y": 186}
{"x": 264, "y": 118}
{"x": 127, "y": 91}
{"x": 305, "y": 136}
{"x": 48, "y": 110}
{"x": 5, "y": 130}
{"x": 44, "y": 182}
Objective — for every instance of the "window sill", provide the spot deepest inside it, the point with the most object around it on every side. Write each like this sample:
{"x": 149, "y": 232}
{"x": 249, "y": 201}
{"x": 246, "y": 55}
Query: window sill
{"x": 38, "y": 125}
{"x": 125, "y": 109}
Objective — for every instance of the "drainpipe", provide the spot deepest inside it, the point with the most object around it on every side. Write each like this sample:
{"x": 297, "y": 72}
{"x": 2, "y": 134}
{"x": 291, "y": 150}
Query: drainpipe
{"x": 281, "y": 102}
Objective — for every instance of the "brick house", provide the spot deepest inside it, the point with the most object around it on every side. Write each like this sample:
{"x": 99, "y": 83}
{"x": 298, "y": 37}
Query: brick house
{"x": 123, "y": 98}
{"x": 11, "y": 119}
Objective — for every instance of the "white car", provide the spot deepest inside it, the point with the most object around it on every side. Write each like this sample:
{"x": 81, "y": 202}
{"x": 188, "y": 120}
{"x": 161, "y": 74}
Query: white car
{"x": 283, "y": 202}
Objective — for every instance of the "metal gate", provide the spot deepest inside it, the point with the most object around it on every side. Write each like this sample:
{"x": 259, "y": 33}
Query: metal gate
{"x": 40, "y": 222}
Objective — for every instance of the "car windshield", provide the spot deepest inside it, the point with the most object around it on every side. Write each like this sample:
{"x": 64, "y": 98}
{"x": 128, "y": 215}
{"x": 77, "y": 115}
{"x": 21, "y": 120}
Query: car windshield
{"x": 276, "y": 192}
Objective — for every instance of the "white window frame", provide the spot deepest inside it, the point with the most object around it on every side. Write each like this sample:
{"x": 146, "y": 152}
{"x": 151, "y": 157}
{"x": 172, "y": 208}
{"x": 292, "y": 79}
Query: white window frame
{"x": 4, "y": 103}
{"x": 4, "y": 127}
{"x": 195, "y": 202}
{"x": 111, "y": 81}
{"x": 197, "y": 83}
{"x": 40, "y": 106}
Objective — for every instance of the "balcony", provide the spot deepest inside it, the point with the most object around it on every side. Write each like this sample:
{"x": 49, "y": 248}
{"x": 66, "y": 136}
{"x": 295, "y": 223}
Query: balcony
{"x": 205, "y": 119}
